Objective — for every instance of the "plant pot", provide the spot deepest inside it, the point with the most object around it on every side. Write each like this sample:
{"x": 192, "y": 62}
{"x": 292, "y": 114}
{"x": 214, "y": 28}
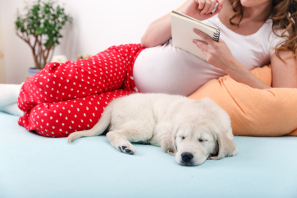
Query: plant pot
{"x": 33, "y": 71}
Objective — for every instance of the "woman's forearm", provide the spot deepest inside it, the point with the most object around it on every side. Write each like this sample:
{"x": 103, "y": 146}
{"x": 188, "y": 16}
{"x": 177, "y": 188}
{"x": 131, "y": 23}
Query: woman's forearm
{"x": 241, "y": 74}
{"x": 159, "y": 31}
{"x": 219, "y": 55}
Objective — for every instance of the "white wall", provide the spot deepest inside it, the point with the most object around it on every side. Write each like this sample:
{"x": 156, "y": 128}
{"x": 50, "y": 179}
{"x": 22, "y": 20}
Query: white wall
{"x": 2, "y": 67}
{"x": 97, "y": 24}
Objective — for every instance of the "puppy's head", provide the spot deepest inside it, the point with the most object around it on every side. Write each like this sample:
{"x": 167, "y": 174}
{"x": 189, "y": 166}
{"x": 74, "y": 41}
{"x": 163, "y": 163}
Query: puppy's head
{"x": 203, "y": 133}
{"x": 194, "y": 144}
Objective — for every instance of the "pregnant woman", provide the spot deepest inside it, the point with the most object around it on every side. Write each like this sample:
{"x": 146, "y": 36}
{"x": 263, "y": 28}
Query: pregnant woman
{"x": 71, "y": 96}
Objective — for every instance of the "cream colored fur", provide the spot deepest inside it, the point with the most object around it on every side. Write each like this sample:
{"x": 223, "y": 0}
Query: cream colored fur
{"x": 193, "y": 130}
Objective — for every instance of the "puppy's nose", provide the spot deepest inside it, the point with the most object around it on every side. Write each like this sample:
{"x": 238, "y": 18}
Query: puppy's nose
{"x": 186, "y": 156}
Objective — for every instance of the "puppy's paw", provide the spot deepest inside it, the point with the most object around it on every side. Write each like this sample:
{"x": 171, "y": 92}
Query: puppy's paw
{"x": 233, "y": 153}
{"x": 127, "y": 149}
{"x": 147, "y": 142}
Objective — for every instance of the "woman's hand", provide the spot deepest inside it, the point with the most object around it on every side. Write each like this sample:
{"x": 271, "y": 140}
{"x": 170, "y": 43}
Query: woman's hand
{"x": 217, "y": 53}
{"x": 159, "y": 31}
{"x": 201, "y": 9}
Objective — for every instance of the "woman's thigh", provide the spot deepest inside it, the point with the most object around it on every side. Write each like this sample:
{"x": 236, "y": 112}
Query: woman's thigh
{"x": 107, "y": 71}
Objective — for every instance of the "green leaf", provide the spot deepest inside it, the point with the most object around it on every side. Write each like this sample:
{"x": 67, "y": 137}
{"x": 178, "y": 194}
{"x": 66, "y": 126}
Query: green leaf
{"x": 45, "y": 18}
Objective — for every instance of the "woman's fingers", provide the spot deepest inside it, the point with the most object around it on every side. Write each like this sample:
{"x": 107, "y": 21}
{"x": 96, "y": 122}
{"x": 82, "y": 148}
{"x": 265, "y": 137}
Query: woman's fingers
{"x": 212, "y": 7}
{"x": 204, "y": 36}
{"x": 201, "y": 45}
{"x": 219, "y": 7}
{"x": 207, "y": 6}
{"x": 200, "y": 3}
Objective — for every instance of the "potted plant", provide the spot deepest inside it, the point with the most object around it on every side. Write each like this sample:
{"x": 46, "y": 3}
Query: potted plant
{"x": 40, "y": 27}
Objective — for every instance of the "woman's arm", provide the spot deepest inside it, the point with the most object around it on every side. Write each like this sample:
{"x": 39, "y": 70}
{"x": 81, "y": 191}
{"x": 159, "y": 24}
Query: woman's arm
{"x": 241, "y": 74}
{"x": 219, "y": 55}
{"x": 284, "y": 73}
{"x": 159, "y": 31}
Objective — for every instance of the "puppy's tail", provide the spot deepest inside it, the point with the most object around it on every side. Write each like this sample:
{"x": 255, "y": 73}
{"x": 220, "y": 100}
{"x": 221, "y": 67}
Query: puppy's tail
{"x": 97, "y": 129}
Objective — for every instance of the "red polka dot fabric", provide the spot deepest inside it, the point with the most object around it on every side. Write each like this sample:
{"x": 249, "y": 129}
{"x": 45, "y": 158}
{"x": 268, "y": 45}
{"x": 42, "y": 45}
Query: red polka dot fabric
{"x": 67, "y": 97}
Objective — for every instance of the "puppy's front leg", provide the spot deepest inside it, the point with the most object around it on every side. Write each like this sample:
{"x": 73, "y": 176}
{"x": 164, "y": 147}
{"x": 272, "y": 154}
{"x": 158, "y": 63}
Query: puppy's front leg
{"x": 118, "y": 139}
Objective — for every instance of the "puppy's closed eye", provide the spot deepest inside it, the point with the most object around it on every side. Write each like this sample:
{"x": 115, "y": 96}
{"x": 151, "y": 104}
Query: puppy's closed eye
{"x": 202, "y": 140}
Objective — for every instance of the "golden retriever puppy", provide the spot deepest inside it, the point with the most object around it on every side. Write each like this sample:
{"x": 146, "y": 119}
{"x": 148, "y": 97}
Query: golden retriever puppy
{"x": 193, "y": 130}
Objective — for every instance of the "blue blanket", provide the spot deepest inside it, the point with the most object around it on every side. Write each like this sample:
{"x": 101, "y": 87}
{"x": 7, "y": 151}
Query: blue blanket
{"x": 34, "y": 166}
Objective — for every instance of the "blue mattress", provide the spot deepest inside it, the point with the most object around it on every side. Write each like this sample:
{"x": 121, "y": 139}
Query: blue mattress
{"x": 34, "y": 166}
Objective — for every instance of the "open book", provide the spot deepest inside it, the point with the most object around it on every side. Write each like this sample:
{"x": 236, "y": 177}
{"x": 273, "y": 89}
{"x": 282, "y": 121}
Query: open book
{"x": 182, "y": 33}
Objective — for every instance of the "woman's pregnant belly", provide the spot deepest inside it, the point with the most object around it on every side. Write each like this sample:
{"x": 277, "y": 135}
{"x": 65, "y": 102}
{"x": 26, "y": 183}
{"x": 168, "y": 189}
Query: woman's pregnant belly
{"x": 166, "y": 69}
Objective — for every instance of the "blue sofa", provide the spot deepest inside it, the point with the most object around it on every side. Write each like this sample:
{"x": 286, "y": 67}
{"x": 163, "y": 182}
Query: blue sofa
{"x": 32, "y": 166}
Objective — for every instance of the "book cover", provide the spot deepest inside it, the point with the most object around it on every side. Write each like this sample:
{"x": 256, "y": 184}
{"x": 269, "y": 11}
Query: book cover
{"x": 182, "y": 33}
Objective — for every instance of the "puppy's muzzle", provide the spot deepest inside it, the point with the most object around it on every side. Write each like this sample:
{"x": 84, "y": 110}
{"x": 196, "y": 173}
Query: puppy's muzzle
{"x": 187, "y": 157}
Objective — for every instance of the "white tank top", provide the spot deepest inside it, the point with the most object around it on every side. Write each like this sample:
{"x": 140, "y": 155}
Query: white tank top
{"x": 166, "y": 69}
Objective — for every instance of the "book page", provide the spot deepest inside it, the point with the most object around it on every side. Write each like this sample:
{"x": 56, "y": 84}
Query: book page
{"x": 183, "y": 35}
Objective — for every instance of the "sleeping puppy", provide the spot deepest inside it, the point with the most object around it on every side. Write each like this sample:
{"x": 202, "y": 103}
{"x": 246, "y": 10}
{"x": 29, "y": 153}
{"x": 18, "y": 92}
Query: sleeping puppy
{"x": 192, "y": 130}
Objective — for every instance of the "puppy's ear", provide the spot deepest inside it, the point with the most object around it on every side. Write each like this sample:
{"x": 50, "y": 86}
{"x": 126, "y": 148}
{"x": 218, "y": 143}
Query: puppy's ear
{"x": 226, "y": 146}
{"x": 168, "y": 141}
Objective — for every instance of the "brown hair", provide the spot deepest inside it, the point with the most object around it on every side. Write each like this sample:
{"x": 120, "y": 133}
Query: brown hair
{"x": 283, "y": 15}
